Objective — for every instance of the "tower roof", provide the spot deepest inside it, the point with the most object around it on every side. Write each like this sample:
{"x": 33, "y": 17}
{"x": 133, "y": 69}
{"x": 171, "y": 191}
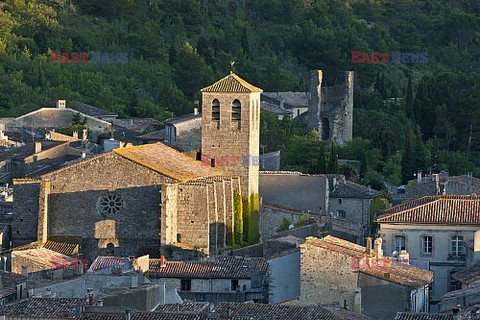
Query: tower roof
{"x": 231, "y": 83}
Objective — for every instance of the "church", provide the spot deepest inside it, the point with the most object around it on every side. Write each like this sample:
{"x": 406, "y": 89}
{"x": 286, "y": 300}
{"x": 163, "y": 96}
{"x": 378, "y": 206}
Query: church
{"x": 129, "y": 199}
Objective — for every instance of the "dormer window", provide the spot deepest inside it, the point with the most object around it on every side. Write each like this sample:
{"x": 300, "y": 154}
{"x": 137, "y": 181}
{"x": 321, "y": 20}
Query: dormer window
{"x": 215, "y": 110}
{"x": 236, "y": 112}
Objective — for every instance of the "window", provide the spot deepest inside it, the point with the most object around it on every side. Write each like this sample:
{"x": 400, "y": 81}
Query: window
{"x": 236, "y": 112}
{"x": 457, "y": 245}
{"x": 399, "y": 243}
{"x": 341, "y": 213}
{"x": 454, "y": 284}
{"x": 186, "y": 285}
{"x": 110, "y": 205}
{"x": 179, "y": 238}
{"x": 110, "y": 248}
{"x": 339, "y": 201}
{"x": 235, "y": 285}
{"x": 215, "y": 110}
{"x": 427, "y": 244}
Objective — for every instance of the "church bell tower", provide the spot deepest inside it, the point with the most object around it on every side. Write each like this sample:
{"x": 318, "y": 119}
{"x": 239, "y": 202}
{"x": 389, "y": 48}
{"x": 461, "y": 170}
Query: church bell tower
{"x": 231, "y": 129}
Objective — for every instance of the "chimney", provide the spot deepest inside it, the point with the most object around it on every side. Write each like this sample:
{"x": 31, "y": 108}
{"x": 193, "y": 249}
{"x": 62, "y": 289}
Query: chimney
{"x": 195, "y": 111}
{"x": 334, "y": 182}
{"x": 476, "y": 247}
{"x": 436, "y": 178}
{"x": 38, "y": 146}
{"x": 84, "y": 154}
{"x": 368, "y": 250}
{"x": 90, "y": 296}
{"x": 24, "y": 271}
{"x": 377, "y": 248}
{"x": 419, "y": 176}
{"x": 84, "y": 135}
{"x": 163, "y": 261}
{"x": 128, "y": 312}
{"x": 282, "y": 102}
{"x": 75, "y": 134}
{"x": 404, "y": 257}
{"x": 61, "y": 104}
{"x": 357, "y": 301}
{"x": 131, "y": 122}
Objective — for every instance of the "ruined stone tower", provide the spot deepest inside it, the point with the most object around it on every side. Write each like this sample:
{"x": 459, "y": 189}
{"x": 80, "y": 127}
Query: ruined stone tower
{"x": 231, "y": 129}
{"x": 330, "y": 109}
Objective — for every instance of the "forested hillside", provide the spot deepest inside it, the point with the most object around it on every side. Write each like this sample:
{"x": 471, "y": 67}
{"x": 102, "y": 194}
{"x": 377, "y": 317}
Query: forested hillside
{"x": 175, "y": 47}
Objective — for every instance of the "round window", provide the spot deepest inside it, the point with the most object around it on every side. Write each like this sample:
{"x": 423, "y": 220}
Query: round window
{"x": 110, "y": 204}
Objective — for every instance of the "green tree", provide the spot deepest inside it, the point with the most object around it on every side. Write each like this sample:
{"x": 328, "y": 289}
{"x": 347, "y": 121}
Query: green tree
{"x": 333, "y": 158}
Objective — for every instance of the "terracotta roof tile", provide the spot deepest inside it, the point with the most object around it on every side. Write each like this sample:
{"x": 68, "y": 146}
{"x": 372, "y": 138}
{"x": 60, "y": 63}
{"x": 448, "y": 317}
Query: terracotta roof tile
{"x": 445, "y": 209}
{"x": 274, "y": 311}
{"x": 349, "y": 189}
{"x": 67, "y": 245}
{"x": 167, "y": 161}
{"x": 231, "y": 83}
{"x": 468, "y": 275}
{"x": 422, "y": 316}
{"x": 221, "y": 268}
{"x": 46, "y": 308}
{"x": 102, "y": 262}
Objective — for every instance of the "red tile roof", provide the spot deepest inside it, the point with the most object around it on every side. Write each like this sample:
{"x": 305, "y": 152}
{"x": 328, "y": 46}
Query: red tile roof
{"x": 231, "y": 83}
{"x": 220, "y": 268}
{"x": 445, "y": 209}
{"x": 167, "y": 161}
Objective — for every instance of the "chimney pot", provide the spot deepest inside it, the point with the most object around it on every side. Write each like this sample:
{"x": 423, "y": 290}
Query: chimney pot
{"x": 195, "y": 111}
{"x": 368, "y": 250}
{"x": 163, "y": 261}
{"x": 38, "y": 146}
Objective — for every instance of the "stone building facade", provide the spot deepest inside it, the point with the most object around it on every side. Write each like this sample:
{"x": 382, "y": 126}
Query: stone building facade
{"x": 330, "y": 109}
{"x": 126, "y": 199}
{"x": 231, "y": 129}
{"x": 328, "y": 275}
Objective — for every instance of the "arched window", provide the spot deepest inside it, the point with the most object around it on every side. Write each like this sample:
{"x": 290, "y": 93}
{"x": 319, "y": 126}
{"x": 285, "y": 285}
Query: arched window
{"x": 236, "y": 112}
{"x": 215, "y": 110}
{"x": 110, "y": 248}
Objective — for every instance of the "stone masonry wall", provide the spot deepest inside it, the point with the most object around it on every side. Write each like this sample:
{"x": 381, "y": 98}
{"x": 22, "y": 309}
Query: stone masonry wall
{"x": 74, "y": 197}
{"x": 325, "y": 277}
{"x": 26, "y": 205}
{"x": 272, "y": 217}
{"x": 227, "y": 139}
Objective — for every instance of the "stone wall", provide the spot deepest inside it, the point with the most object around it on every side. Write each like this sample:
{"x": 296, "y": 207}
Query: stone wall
{"x": 330, "y": 109}
{"x": 54, "y": 118}
{"x": 327, "y": 277}
{"x": 227, "y": 138}
{"x": 26, "y": 193}
{"x": 271, "y": 218}
{"x": 294, "y": 190}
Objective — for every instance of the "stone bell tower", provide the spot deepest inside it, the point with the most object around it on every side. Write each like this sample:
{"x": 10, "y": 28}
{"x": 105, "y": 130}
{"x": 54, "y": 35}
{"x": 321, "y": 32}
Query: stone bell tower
{"x": 231, "y": 129}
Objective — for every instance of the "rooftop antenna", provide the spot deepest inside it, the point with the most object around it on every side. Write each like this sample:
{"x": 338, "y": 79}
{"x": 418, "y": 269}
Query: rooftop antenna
{"x": 231, "y": 67}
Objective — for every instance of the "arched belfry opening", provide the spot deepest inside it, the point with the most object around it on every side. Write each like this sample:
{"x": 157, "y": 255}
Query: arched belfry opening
{"x": 236, "y": 112}
{"x": 215, "y": 110}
